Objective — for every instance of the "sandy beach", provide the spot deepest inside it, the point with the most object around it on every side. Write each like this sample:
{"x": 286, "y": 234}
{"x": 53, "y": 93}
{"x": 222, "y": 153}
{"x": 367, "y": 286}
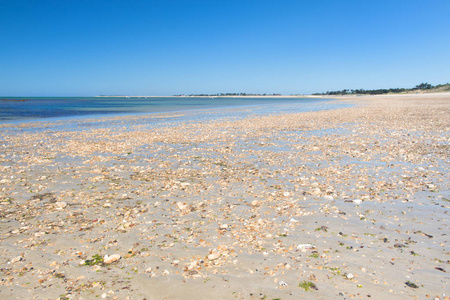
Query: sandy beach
{"x": 351, "y": 203}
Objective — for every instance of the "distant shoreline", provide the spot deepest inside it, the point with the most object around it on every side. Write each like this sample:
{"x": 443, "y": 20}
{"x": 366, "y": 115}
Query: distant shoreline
{"x": 247, "y": 96}
{"x": 352, "y": 96}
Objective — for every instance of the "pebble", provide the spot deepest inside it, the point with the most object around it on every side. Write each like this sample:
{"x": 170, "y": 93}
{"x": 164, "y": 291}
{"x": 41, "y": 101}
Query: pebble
{"x": 305, "y": 246}
{"x": 192, "y": 265}
{"x": 214, "y": 256}
{"x": 16, "y": 259}
{"x": 61, "y": 205}
{"x": 255, "y": 203}
{"x": 110, "y": 259}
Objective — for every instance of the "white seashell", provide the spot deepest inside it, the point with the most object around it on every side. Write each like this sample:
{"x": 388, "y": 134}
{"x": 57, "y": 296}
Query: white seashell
{"x": 214, "y": 256}
{"x": 255, "y": 203}
{"x": 305, "y": 246}
{"x": 61, "y": 205}
{"x": 282, "y": 283}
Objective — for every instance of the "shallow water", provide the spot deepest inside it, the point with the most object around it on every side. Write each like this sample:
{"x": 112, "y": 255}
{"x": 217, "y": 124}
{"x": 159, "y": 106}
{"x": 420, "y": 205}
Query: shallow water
{"x": 23, "y": 109}
{"x": 150, "y": 117}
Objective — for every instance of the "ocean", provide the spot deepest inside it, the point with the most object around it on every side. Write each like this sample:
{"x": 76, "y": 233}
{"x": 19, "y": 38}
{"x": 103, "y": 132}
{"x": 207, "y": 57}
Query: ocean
{"x": 14, "y": 110}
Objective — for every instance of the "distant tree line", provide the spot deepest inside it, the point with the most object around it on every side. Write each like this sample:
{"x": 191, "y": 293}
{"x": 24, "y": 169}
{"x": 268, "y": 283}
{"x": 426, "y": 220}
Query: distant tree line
{"x": 228, "y": 94}
{"x": 422, "y": 86}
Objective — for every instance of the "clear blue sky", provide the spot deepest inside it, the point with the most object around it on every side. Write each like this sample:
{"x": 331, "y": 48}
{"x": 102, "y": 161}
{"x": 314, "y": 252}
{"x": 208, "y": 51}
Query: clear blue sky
{"x": 166, "y": 47}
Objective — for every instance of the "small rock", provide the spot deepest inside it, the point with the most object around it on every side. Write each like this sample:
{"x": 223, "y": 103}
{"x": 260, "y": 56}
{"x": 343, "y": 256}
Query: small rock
{"x": 223, "y": 226}
{"x": 214, "y": 256}
{"x": 53, "y": 264}
{"x": 255, "y": 203}
{"x": 182, "y": 206}
{"x": 305, "y": 246}
{"x": 16, "y": 259}
{"x": 282, "y": 283}
{"x": 110, "y": 259}
{"x": 192, "y": 265}
{"x": 127, "y": 225}
{"x": 61, "y": 205}
{"x": 316, "y": 191}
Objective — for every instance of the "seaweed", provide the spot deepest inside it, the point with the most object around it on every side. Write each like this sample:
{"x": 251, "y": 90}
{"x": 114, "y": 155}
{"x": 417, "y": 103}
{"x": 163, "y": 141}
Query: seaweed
{"x": 412, "y": 284}
{"x": 308, "y": 286}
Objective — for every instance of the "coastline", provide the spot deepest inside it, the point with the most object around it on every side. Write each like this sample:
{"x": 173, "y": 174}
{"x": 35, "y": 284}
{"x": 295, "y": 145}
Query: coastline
{"x": 211, "y": 96}
{"x": 408, "y": 94}
{"x": 354, "y": 201}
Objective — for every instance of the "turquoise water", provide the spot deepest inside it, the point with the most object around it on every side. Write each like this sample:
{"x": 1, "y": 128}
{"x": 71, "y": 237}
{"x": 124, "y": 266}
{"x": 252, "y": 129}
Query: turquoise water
{"x": 32, "y": 109}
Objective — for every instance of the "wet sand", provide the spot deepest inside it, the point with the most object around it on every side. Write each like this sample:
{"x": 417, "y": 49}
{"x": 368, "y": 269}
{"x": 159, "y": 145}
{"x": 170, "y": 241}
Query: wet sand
{"x": 337, "y": 204}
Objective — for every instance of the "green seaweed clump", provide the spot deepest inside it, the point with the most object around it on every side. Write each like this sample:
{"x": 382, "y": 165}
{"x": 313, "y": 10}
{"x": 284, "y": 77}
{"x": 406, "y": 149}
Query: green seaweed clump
{"x": 412, "y": 284}
{"x": 308, "y": 286}
{"x": 96, "y": 260}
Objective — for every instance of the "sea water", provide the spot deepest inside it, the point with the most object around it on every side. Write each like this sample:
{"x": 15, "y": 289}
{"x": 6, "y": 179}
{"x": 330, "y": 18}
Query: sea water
{"x": 32, "y": 109}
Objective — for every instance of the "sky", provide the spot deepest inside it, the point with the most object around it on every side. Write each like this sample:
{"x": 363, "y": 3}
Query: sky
{"x": 168, "y": 47}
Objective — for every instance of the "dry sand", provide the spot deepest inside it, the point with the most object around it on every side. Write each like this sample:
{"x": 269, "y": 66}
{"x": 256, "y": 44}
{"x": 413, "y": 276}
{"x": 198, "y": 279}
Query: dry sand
{"x": 338, "y": 204}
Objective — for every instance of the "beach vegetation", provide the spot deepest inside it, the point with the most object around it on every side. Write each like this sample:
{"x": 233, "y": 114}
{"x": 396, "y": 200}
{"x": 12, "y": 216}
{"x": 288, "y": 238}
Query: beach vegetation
{"x": 322, "y": 228}
{"x": 308, "y": 286}
{"x": 412, "y": 284}
{"x": 424, "y": 86}
{"x": 335, "y": 270}
{"x": 97, "y": 259}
